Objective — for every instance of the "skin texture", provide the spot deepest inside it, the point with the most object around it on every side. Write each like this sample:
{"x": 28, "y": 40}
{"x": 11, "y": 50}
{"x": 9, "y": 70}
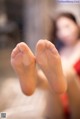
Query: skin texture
{"x": 24, "y": 64}
{"x": 47, "y": 57}
{"x": 49, "y": 61}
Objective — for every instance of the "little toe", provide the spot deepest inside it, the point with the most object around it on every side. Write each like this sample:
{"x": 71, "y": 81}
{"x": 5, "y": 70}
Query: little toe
{"x": 51, "y": 46}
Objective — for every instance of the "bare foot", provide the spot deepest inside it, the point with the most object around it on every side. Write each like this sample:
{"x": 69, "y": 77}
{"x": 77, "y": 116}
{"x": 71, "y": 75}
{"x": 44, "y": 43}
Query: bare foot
{"x": 49, "y": 61}
{"x": 23, "y": 62}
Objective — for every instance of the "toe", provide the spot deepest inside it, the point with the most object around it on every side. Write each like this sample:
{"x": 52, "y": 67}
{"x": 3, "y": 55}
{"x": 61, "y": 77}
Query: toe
{"x": 15, "y": 52}
{"x": 28, "y": 56}
{"x": 40, "y": 47}
{"x": 44, "y": 45}
{"x": 24, "y": 48}
{"x": 51, "y": 46}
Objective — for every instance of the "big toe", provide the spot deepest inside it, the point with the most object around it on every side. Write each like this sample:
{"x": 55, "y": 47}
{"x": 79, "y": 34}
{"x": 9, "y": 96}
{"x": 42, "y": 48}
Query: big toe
{"x": 23, "y": 47}
{"x": 40, "y": 47}
{"x": 20, "y": 48}
{"x": 15, "y": 52}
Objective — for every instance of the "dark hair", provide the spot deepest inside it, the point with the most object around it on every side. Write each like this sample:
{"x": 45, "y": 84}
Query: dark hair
{"x": 67, "y": 15}
{"x": 53, "y": 37}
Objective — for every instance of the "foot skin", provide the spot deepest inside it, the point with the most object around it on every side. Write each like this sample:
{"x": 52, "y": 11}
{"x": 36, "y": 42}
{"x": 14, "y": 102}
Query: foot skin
{"x": 23, "y": 62}
{"x": 49, "y": 61}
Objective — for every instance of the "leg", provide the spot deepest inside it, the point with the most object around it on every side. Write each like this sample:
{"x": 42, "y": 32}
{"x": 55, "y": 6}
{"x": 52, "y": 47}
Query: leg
{"x": 49, "y": 61}
{"x": 23, "y": 62}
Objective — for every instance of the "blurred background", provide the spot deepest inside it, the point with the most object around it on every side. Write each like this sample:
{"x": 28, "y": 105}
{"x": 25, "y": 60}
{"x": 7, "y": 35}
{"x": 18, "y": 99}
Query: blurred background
{"x": 27, "y": 21}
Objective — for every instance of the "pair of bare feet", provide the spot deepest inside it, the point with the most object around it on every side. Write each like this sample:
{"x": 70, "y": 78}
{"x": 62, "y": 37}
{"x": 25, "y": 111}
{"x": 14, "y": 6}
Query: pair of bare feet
{"x": 47, "y": 57}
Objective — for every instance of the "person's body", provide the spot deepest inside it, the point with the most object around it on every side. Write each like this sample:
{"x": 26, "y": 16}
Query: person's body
{"x": 48, "y": 59}
{"x": 68, "y": 32}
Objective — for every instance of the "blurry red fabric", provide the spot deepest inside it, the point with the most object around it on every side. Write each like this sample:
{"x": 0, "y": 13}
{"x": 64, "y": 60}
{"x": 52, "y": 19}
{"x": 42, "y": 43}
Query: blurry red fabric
{"x": 65, "y": 104}
{"x": 64, "y": 99}
{"x": 77, "y": 67}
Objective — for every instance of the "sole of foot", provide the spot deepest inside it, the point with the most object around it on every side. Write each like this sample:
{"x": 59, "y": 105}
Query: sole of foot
{"x": 49, "y": 61}
{"x": 24, "y": 63}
